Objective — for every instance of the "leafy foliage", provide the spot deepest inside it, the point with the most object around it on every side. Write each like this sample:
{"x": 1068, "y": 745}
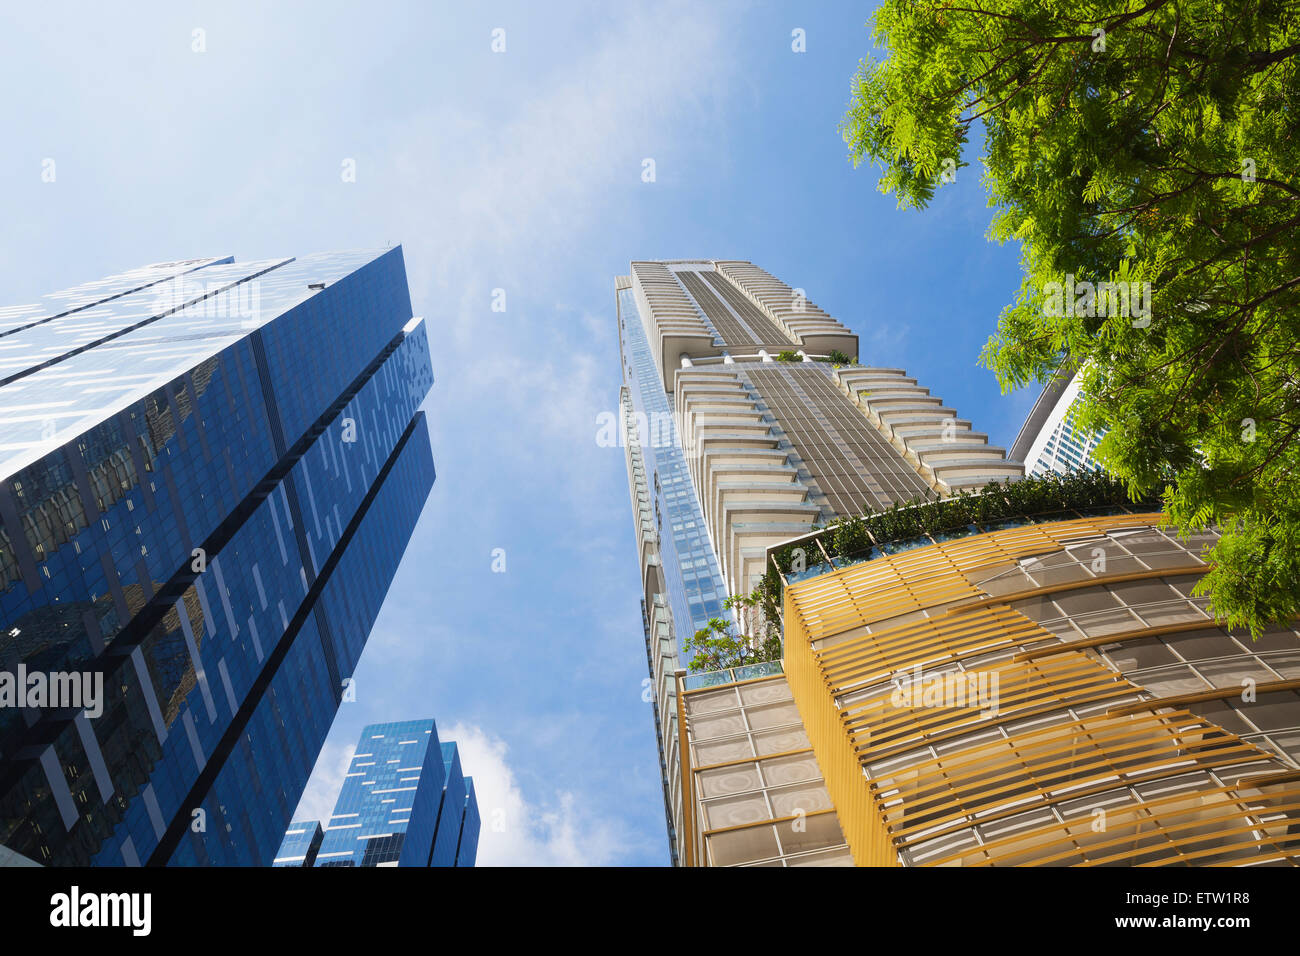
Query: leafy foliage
{"x": 788, "y": 356}
{"x": 717, "y": 645}
{"x": 1149, "y": 143}
{"x": 1045, "y": 496}
{"x": 838, "y": 358}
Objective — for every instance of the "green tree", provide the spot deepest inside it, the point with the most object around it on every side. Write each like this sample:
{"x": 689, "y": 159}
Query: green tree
{"x": 718, "y": 645}
{"x": 1153, "y": 147}
{"x": 838, "y": 358}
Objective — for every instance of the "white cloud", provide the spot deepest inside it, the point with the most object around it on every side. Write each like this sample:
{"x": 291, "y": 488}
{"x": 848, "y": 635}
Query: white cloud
{"x": 562, "y": 831}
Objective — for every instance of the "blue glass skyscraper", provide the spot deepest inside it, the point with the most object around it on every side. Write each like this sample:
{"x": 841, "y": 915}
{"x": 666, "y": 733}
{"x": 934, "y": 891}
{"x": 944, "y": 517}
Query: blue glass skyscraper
{"x": 470, "y": 825}
{"x": 404, "y": 802}
{"x": 300, "y": 845}
{"x": 209, "y": 471}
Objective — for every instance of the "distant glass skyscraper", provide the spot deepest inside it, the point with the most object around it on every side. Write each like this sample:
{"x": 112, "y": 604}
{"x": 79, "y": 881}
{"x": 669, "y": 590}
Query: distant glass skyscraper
{"x": 300, "y": 845}
{"x": 1049, "y": 440}
{"x": 404, "y": 802}
{"x": 209, "y": 471}
{"x": 471, "y": 825}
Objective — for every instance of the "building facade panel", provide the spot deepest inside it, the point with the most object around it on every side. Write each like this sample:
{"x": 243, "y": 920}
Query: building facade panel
{"x": 451, "y": 812}
{"x": 1050, "y": 440}
{"x": 471, "y": 823}
{"x": 1049, "y": 694}
{"x": 300, "y": 845}
{"x": 389, "y": 796}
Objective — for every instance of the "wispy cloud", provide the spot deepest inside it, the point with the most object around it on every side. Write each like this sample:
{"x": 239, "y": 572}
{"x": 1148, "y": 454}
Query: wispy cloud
{"x": 559, "y": 829}
{"x": 514, "y": 187}
{"x": 507, "y": 199}
{"x": 317, "y": 801}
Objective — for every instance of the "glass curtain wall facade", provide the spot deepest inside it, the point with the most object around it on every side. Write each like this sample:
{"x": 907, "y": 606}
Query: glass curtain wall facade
{"x": 404, "y": 802}
{"x": 471, "y": 824}
{"x": 683, "y": 587}
{"x": 300, "y": 845}
{"x": 209, "y": 471}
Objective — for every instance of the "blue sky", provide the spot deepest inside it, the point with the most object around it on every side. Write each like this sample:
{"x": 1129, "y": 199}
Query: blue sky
{"x": 520, "y": 171}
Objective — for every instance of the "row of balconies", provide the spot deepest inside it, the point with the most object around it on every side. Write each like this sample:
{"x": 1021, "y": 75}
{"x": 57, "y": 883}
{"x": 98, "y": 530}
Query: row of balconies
{"x": 681, "y": 332}
{"x": 676, "y": 325}
{"x": 751, "y": 493}
{"x": 943, "y": 448}
{"x": 808, "y": 324}
{"x": 642, "y": 514}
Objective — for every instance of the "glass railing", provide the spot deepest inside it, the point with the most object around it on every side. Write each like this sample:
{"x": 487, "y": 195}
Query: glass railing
{"x": 811, "y": 572}
{"x": 732, "y": 675}
{"x": 896, "y": 546}
{"x": 762, "y": 669}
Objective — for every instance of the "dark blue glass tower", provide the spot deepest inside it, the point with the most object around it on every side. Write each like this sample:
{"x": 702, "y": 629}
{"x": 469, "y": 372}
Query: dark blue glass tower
{"x": 208, "y": 474}
{"x": 404, "y": 802}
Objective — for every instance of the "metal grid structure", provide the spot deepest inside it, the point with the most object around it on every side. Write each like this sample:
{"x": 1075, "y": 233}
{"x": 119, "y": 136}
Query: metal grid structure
{"x": 1081, "y": 755}
{"x": 850, "y": 461}
{"x": 757, "y": 795}
{"x": 742, "y": 326}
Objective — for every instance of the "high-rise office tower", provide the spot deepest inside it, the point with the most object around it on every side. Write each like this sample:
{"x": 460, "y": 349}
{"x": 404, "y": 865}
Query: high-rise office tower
{"x": 209, "y": 471}
{"x": 404, "y": 802}
{"x": 1049, "y": 440}
{"x": 1014, "y": 675}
